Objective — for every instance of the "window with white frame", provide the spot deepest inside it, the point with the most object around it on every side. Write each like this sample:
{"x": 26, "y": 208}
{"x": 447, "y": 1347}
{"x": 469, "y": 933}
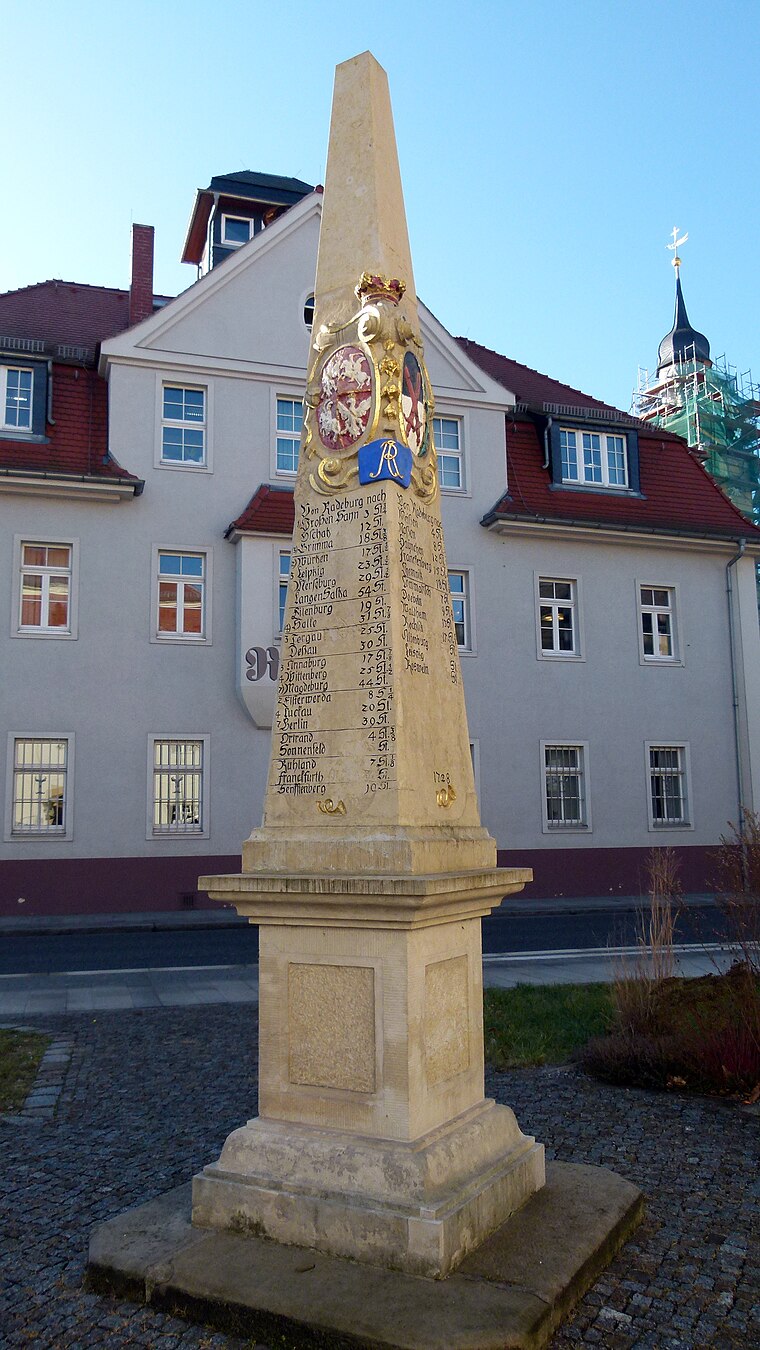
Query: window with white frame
{"x": 45, "y": 588}
{"x": 565, "y": 790}
{"x": 181, "y": 584}
{"x": 183, "y": 425}
{"x": 16, "y": 385}
{"x": 177, "y": 804}
{"x": 447, "y": 434}
{"x": 283, "y": 577}
{"x": 39, "y": 794}
{"x": 557, "y": 616}
{"x": 289, "y": 423}
{"x": 236, "y": 230}
{"x": 657, "y": 623}
{"x": 459, "y": 590}
{"x": 594, "y": 458}
{"x": 668, "y": 786}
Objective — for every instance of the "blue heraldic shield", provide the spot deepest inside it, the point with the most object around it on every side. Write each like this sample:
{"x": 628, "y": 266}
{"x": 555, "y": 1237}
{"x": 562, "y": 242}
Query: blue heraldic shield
{"x": 385, "y": 459}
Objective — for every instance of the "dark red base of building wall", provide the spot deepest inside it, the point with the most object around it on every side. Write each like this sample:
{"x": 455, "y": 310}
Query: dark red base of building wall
{"x": 575, "y": 872}
{"x": 107, "y": 885}
{"x": 124, "y": 885}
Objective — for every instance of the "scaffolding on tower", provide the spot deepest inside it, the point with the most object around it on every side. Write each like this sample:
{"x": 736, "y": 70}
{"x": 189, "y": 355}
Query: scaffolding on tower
{"x": 717, "y": 411}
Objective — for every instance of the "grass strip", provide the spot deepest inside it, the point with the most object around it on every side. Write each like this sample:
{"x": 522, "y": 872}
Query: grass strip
{"x": 20, "y": 1055}
{"x": 542, "y": 1024}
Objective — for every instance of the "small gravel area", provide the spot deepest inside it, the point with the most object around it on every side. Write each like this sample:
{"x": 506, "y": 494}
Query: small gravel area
{"x": 148, "y": 1097}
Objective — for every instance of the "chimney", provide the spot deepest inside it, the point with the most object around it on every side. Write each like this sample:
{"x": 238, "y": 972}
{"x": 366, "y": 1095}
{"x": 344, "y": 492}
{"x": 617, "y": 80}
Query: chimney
{"x": 141, "y": 287}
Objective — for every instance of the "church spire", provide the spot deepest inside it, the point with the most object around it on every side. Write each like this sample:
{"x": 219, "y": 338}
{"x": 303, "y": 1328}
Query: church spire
{"x": 682, "y": 343}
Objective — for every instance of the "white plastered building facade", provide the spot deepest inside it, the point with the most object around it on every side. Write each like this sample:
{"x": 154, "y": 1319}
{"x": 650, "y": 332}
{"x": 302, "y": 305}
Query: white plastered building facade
{"x": 164, "y": 698}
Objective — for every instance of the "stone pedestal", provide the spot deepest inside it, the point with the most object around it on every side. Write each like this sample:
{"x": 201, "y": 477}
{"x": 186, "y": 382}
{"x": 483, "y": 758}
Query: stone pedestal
{"x": 374, "y": 1139}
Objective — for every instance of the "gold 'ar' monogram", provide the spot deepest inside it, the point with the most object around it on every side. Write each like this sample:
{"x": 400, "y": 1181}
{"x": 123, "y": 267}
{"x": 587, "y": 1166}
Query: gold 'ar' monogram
{"x": 388, "y": 456}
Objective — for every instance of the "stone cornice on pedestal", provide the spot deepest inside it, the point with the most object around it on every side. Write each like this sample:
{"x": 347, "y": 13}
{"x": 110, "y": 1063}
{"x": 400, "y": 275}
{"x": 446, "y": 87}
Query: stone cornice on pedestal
{"x": 366, "y": 901}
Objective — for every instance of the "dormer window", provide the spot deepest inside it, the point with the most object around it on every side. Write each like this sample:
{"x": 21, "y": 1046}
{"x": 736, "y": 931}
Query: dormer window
{"x": 597, "y": 459}
{"x": 23, "y": 398}
{"x": 16, "y": 398}
{"x": 236, "y": 230}
{"x": 594, "y": 457}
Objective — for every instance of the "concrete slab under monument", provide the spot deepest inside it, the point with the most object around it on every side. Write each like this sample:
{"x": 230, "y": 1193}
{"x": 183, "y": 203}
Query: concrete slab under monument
{"x": 510, "y": 1294}
{"x": 375, "y": 1149}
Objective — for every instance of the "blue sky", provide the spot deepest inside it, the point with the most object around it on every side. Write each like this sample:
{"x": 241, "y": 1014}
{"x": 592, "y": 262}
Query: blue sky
{"x": 547, "y": 150}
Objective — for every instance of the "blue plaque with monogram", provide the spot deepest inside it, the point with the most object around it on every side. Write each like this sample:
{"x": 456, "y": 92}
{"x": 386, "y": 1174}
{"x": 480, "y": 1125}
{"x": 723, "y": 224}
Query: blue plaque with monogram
{"x": 385, "y": 459}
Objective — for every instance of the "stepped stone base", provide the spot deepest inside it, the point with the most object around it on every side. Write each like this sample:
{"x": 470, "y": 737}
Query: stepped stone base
{"x": 418, "y": 1207}
{"x": 511, "y": 1293}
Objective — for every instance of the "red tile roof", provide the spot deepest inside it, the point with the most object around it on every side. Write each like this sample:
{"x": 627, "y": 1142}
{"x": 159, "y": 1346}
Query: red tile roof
{"x": 677, "y": 493}
{"x": 65, "y": 313}
{"x": 528, "y": 385}
{"x": 78, "y": 437}
{"x": 678, "y": 496}
{"x": 66, "y": 321}
{"x": 270, "y": 511}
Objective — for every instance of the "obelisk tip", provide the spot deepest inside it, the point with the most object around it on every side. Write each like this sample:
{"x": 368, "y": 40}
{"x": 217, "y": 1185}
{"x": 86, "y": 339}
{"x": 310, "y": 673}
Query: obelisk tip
{"x": 363, "y": 218}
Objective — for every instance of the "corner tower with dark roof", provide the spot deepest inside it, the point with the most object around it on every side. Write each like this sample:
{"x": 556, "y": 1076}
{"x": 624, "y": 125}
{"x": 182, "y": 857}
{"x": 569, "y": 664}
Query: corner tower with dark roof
{"x": 707, "y": 402}
{"x": 232, "y": 209}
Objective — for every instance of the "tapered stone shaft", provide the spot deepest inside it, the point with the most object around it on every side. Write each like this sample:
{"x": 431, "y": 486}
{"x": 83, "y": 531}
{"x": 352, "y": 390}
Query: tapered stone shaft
{"x": 371, "y": 767}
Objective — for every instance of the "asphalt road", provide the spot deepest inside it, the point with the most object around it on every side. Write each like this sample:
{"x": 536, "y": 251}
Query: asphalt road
{"x": 140, "y": 949}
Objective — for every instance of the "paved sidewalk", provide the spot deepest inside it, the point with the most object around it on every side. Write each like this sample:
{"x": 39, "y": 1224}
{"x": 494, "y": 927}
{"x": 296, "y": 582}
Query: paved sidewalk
{"x": 151, "y": 1096}
{"x": 193, "y": 986}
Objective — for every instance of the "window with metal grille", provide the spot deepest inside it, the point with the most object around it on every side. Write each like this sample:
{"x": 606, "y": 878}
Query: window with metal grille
{"x": 557, "y": 617}
{"x": 288, "y": 441}
{"x": 181, "y": 594}
{"x": 668, "y": 785}
{"x": 282, "y": 587}
{"x": 459, "y": 590}
{"x": 564, "y": 786}
{"x": 657, "y": 615}
{"x": 178, "y": 787}
{"x": 447, "y": 434}
{"x": 40, "y": 769}
{"x": 45, "y": 587}
{"x": 183, "y": 430}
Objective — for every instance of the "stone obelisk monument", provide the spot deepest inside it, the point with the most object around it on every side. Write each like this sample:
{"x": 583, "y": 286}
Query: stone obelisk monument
{"x": 371, "y": 871}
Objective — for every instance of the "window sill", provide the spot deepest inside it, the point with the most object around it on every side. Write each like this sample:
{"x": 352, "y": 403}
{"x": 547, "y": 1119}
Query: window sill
{"x": 63, "y": 635}
{"x": 176, "y": 836}
{"x": 22, "y": 434}
{"x": 39, "y": 836}
{"x": 560, "y": 656}
{"x": 184, "y": 639}
{"x": 182, "y": 467}
{"x": 663, "y": 829}
{"x": 597, "y": 490}
{"x": 661, "y": 661}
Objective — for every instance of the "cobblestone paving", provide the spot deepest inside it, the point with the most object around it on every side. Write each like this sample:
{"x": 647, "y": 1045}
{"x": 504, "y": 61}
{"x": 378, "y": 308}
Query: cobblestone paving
{"x": 150, "y": 1096}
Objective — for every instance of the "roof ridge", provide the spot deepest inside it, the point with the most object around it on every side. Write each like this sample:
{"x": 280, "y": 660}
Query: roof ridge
{"x": 541, "y": 373}
{"x": 60, "y": 281}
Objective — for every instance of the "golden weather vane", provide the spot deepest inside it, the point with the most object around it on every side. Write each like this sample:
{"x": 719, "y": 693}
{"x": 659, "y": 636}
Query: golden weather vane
{"x": 674, "y": 247}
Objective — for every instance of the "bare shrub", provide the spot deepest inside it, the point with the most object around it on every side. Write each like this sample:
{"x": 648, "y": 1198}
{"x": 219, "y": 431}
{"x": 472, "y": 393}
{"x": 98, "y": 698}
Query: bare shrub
{"x": 635, "y": 990}
{"x": 738, "y": 888}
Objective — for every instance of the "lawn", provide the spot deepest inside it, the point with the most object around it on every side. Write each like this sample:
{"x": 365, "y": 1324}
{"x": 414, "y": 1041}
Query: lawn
{"x": 20, "y": 1055}
{"x": 543, "y": 1024}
